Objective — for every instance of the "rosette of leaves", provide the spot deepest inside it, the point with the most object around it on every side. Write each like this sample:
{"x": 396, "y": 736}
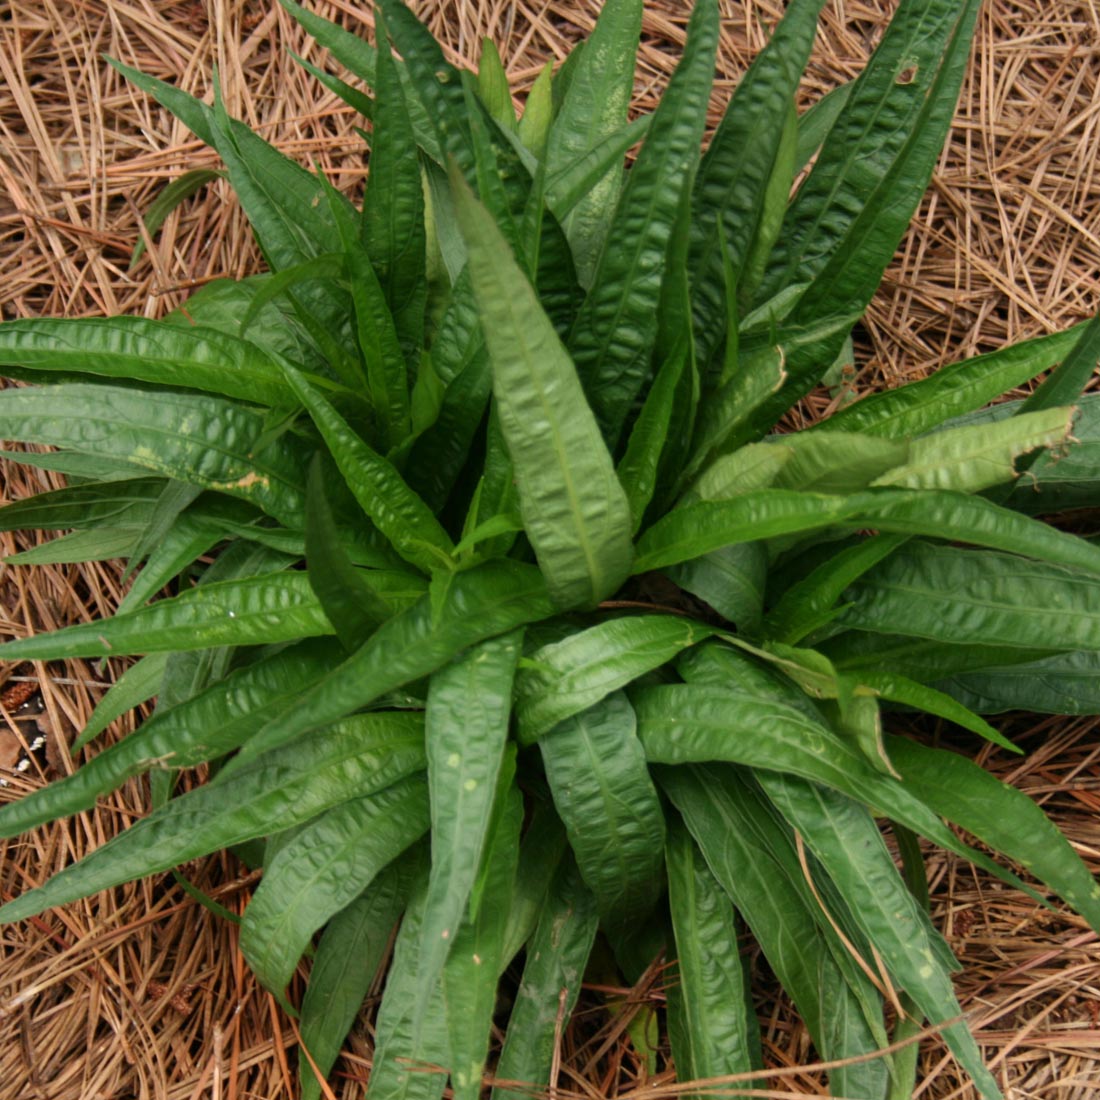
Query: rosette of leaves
{"x": 524, "y": 626}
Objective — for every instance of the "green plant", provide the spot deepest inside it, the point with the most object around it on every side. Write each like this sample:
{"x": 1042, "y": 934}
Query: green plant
{"x": 507, "y": 557}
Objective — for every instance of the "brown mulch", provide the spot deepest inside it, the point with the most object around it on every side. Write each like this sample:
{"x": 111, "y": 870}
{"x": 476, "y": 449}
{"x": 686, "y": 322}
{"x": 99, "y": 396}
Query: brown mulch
{"x": 140, "y": 992}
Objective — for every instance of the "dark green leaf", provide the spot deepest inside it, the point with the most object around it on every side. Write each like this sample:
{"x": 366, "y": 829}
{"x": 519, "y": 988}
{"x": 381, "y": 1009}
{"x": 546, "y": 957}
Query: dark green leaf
{"x": 962, "y": 596}
{"x": 569, "y": 676}
{"x": 323, "y": 867}
{"x": 601, "y": 786}
{"x": 755, "y": 861}
{"x": 273, "y": 792}
{"x": 469, "y": 703}
{"x": 481, "y": 603}
{"x": 393, "y": 211}
{"x": 275, "y": 607}
{"x": 349, "y": 602}
{"x": 847, "y": 841}
{"x": 614, "y": 333}
{"x": 574, "y": 510}
{"x": 139, "y": 683}
{"x": 206, "y": 726}
{"x": 346, "y": 962}
{"x": 392, "y": 506}
{"x": 595, "y": 94}
{"x": 556, "y": 958}
{"x": 1000, "y": 816}
{"x": 402, "y": 1049}
{"x": 476, "y": 960}
{"x": 711, "y": 1021}
{"x": 168, "y": 433}
{"x": 952, "y": 390}
{"x": 730, "y": 189}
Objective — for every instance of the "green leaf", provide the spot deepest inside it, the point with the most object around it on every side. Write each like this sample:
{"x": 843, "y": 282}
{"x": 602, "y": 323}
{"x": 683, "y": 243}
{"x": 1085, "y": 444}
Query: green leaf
{"x": 1066, "y": 683}
{"x": 900, "y": 689}
{"x": 1059, "y": 480}
{"x": 171, "y": 196}
{"x": 817, "y": 121}
{"x": 773, "y": 206}
{"x": 361, "y": 58}
{"x": 460, "y": 360}
{"x": 975, "y": 457}
{"x": 836, "y": 462}
{"x": 534, "y": 124}
{"x": 756, "y": 726}
{"x": 81, "y": 546}
{"x": 731, "y": 185}
{"x": 378, "y": 343}
{"x": 481, "y": 603}
{"x": 384, "y": 496}
{"x": 556, "y": 957}
{"x": 274, "y": 792}
{"x": 574, "y": 510}
{"x": 754, "y": 466}
{"x": 476, "y": 959}
{"x": 639, "y": 467}
{"x": 321, "y": 869}
{"x": 614, "y": 333}
{"x": 402, "y": 1051}
{"x": 349, "y": 49}
{"x": 393, "y": 211}
{"x": 811, "y": 602}
{"x": 597, "y": 92}
{"x": 731, "y": 580}
{"x": 952, "y": 390}
{"x": 569, "y": 676}
{"x": 139, "y": 683}
{"x": 895, "y": 118}
{"x": 541, "y": 855}
{"x": 349, "y": 954}
{"x": 349, "y": 602}
{"x": 1068, "y": 381}
{"x": 226, "y": 304}
{"x": 207, "y": 725}
{"x": 1000, "y": 816}
{"x": 597, "y": 773}
{"x": 121, "y": 503}
{"x": 355, "y": 99}
{"x": 697, "y": 529}
{"x": 755, "y": 861}
{"x": 469, "y": 704}
{"x": 570, "y": 184}
{"x": 492, "y": 85}
{"x": 969, "y": 597}
{"x": 192, "y": 535}
{"x": 175, "y": 497}
{"x": 169, "y": 434}
{"x": 275, "y": 607}
{"x": 711, "y": 1020}
{"x": 847, "y": 841}
{"x": 75, "y": 465}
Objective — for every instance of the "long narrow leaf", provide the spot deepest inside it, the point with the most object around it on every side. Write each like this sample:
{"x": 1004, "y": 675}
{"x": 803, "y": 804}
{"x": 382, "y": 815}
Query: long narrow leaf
{"x": 574, "y": 510}
{"x": 274, "y": 792}
{"x": 469, "y": 702}
{"x": 479, "y": 603}
{"x": 347, "y": 960}
{"x": 597, "y": 773}
{"x": 613, "y": 336}
{"x": 322, "y": 868}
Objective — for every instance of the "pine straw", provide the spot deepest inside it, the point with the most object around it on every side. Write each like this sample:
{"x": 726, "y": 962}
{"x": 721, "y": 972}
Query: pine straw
{"x": 140, "y": 992}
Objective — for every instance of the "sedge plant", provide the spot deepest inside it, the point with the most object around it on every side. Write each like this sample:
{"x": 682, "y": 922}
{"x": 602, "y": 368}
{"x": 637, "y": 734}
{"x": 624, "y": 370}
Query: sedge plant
{"x": 468, "y": 552}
